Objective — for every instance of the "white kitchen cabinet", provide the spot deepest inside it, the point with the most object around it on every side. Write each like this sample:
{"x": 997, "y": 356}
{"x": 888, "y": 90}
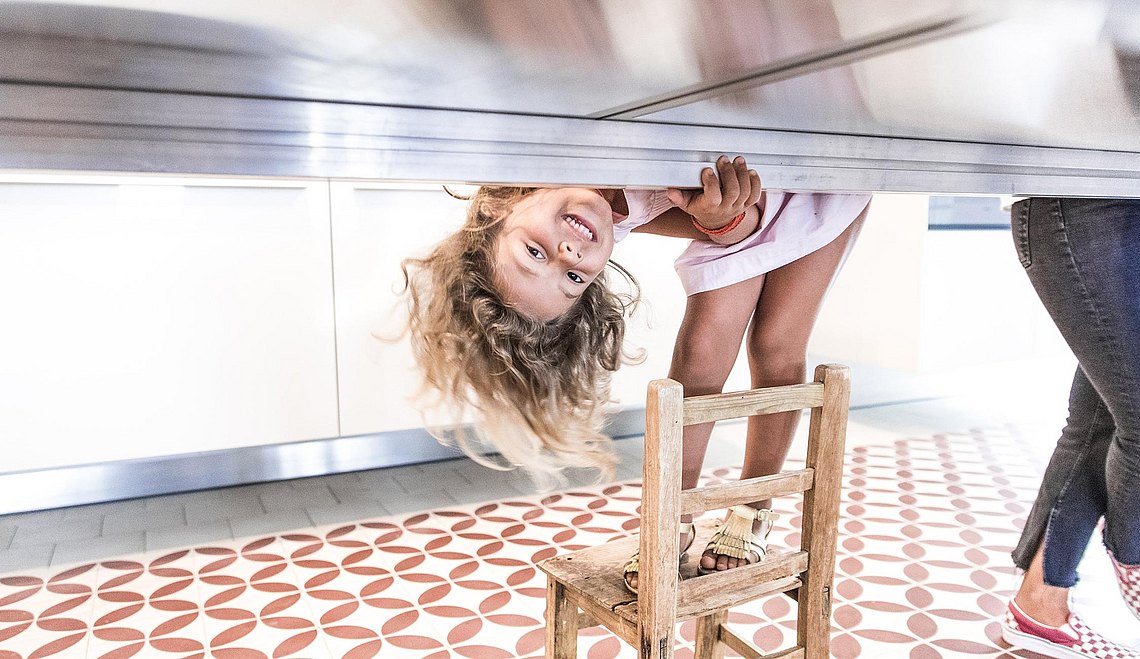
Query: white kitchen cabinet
{"x": 374, "y": 228}
{"x": 148, "y": 317}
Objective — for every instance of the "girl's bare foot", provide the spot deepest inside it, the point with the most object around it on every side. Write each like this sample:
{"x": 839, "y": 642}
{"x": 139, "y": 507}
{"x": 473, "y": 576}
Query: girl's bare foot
{"x": 743, "y": 540}
{"x": 688, "y": 535}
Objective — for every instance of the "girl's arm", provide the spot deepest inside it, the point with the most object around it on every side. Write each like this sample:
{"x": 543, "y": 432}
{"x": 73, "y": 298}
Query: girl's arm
{"x": 676, "y": 223}
{"x": 724, "y": 211}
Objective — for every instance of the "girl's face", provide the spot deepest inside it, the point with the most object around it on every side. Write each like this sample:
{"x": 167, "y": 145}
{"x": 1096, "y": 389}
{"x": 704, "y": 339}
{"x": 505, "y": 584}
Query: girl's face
{"x": 552, "y": 245}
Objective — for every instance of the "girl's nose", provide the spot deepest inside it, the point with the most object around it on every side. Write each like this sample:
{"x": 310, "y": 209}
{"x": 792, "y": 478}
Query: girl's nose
{"x": 570, "y": 252}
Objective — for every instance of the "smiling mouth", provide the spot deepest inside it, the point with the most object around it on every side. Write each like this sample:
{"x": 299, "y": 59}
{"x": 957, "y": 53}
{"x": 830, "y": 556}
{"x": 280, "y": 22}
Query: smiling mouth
{"x": 581, "y": 227}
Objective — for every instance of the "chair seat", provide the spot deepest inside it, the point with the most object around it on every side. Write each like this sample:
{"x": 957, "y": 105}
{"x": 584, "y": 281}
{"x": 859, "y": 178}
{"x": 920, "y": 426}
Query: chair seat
{"x": 595, "y": 574}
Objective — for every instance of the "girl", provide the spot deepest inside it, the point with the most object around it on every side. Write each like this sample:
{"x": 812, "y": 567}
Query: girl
{"x": 512, "y": 317}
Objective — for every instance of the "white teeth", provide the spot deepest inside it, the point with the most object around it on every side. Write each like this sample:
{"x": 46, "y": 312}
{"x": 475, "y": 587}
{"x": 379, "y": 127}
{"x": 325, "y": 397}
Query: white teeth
{"x": 580, "y": 228}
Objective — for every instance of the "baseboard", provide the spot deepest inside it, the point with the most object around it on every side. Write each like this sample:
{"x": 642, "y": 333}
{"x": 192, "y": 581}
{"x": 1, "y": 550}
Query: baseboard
{"x": 128, "y": 479}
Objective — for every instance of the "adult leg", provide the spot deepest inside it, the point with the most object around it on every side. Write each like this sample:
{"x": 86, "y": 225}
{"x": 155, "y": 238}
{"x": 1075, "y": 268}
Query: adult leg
{"x": 1080, "y": 255}
{"x": 1069, "y": 505}
{"x": 777, "y": 355}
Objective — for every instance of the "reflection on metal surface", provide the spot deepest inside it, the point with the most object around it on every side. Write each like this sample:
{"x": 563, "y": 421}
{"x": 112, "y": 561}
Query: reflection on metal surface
{"x": 885, "y": 91}
{"x": 845, "y": 53}
{"x": 1044, "y": 75}
{"x": 571, "y": 58}
{"x": 1123, "y": 25}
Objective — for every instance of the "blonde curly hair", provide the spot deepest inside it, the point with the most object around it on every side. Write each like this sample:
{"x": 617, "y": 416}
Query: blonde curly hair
{"x": 536, "y": 389}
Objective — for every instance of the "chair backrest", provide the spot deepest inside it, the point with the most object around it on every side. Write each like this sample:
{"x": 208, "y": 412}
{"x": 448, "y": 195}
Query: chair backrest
{"x": 667, "y": 412}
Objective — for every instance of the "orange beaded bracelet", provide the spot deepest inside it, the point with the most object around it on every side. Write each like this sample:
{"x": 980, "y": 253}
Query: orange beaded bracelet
{"x": 723, "y": 230}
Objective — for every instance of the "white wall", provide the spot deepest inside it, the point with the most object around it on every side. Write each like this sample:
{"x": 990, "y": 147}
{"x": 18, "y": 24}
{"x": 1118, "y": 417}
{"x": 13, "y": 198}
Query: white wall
{"x": 923, "y": 301}
{"x": 978, "y": 305}
{"x": 870, "y": 314}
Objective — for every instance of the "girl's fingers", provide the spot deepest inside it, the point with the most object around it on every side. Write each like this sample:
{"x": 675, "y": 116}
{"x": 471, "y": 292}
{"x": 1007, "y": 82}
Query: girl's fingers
{"x": 729, "y": 183}
{"x": 744, "y": 182}
{"x": 711, "y": 185}
{"x": 754, "y": 188}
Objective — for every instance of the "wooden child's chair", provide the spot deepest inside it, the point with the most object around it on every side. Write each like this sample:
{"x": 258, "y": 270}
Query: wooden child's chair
{"x": 586, "y": 588}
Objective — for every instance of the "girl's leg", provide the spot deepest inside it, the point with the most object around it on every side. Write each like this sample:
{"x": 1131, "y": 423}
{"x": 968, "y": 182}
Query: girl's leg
{"x": 777, "y": 354}
{"x": 708, "y": 342}
{"x": 704, "y": 353}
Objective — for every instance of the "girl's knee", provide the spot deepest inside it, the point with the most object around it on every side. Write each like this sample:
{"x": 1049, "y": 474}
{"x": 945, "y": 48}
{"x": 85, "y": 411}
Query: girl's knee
{"x": 777, "y": 362}
{"x": 770, "y": 370}
{"x": 701, "y": 364}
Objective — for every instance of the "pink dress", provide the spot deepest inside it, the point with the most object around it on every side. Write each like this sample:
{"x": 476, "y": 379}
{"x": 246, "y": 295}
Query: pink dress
{"x": 794, "y": 224}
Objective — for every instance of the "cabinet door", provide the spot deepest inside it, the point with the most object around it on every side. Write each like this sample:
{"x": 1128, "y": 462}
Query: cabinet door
{"x": 374, "y": 228}
{"x": 153, "y": 318}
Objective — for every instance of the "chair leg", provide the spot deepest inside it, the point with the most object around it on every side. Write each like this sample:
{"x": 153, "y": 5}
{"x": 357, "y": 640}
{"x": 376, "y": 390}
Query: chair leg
{"x": 561, "y": 622}
{"x": 814, "y": 621}
{"x": 708, "y": 645}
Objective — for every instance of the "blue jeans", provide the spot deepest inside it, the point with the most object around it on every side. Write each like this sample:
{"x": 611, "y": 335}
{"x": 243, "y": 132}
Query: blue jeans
{"x": 1083, "y": 258}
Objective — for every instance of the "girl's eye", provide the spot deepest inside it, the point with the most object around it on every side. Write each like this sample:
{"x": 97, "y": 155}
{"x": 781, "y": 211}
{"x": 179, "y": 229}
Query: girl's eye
{"x": 534, "y": 252}
{"x": 575, "y": 277}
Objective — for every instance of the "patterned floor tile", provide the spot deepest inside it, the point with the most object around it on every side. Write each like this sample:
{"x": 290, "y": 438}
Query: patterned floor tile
{"x": 923, "y": 571}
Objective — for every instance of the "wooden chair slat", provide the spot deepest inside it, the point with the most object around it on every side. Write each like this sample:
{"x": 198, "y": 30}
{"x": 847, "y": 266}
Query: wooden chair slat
{"x": 722, "y": 496}
{"x": 739, "y": 644}
{"x": 737, "y": 404}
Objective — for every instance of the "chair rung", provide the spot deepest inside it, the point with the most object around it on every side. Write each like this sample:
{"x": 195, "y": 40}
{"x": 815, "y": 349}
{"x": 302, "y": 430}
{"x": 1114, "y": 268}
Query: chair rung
{"x": 717, "y": 497}
{"x": 708, "y": 593}
{"x": 745, "y": 648}
{"x": 736, "y": 404}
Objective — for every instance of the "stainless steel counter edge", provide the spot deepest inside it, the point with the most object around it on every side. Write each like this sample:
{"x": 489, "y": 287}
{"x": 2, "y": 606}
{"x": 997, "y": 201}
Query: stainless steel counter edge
{"x": 67, "y": 129}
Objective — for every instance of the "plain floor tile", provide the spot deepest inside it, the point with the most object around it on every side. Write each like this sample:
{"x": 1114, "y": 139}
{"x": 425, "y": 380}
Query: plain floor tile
{"x": 173, "y": 503}
{"x": 99, "y": 509}
{"x": 96, "y": 549}
{"x": 62, "y": 530}
{"x": 376, "y": 483}
{"x": 273, "y": 523}
{"x": 142, "y": 519}
{"x": 37, "y": 519}
{"x": 185, "y": 536}
{"x": 348, "y": 512}
{"x": 284, "y": 501}
{"x": 214, "y": 509}
{"x": 414, "y": 503}
{"x": 413, "y": 478}
{"x": 27, "y": 557}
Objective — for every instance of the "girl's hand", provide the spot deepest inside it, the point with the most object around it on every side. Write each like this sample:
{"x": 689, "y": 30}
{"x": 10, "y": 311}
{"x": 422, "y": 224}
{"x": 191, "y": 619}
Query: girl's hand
{"x": 721, "y": 198}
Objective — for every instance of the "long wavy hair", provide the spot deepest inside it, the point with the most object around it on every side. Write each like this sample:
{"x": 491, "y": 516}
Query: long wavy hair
{"x": 536, "y": 390}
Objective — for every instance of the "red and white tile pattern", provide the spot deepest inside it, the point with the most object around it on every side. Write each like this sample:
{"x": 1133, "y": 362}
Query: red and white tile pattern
{"x": 923, "y": 571}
